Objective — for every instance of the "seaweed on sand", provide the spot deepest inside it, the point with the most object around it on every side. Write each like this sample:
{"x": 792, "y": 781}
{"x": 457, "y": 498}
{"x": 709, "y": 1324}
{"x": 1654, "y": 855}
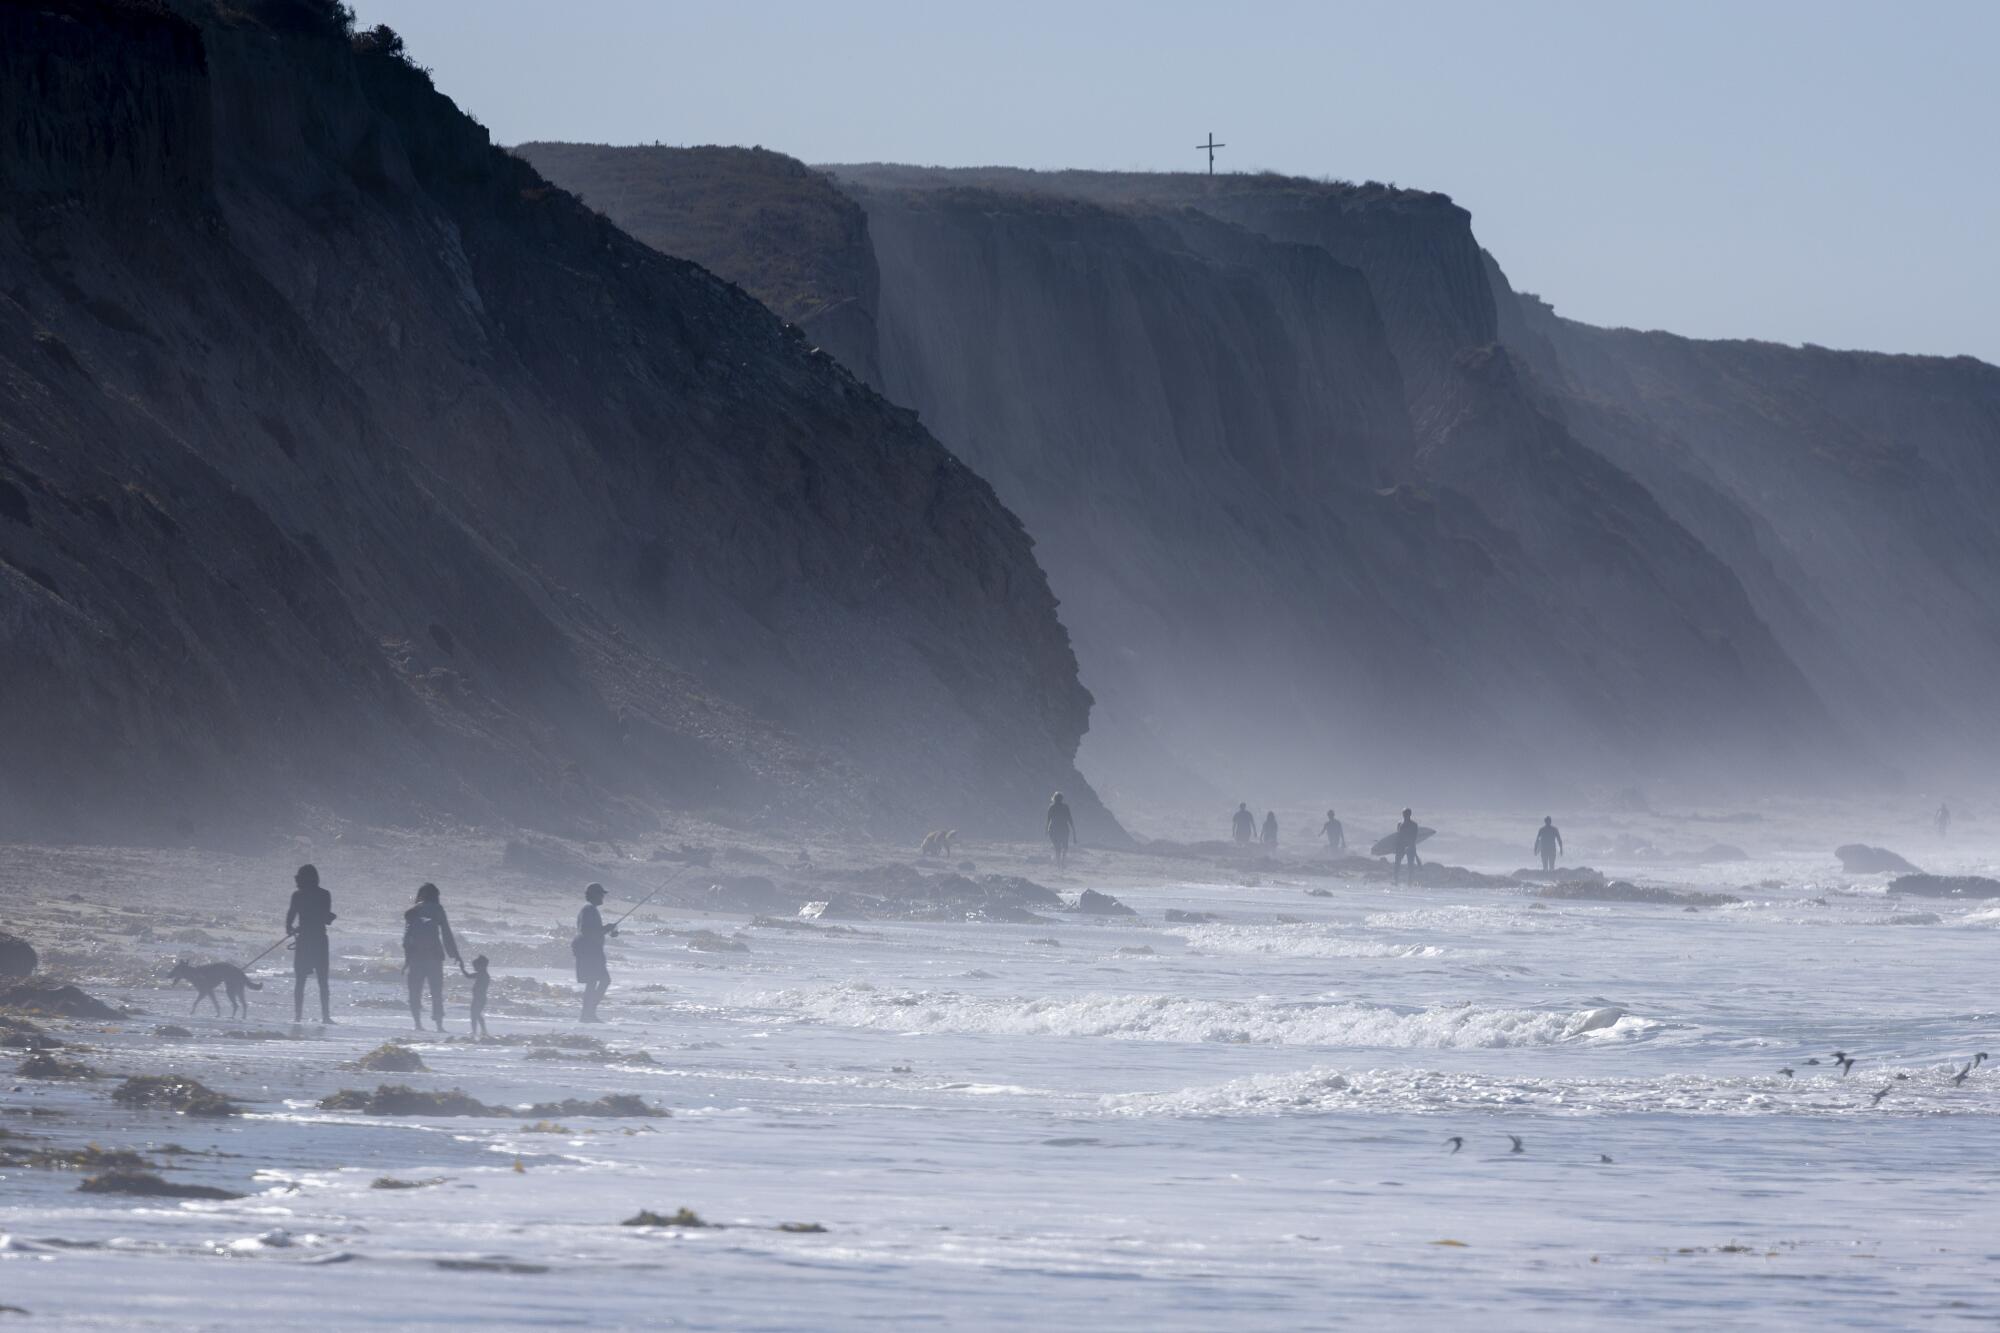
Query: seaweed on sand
{"x": 646, "y": 1217}
{"x": 149, "y": 1185}
{"x": 25, "y": 1035}
{"x": 174, "y": 1093}
{"x": 90, "y": 1158}
{"x": 611, "y": 1104}
{"x": 400, "y": 1099}
{"x": 392, "y": 1057}
{"x": 604, "y": 1056}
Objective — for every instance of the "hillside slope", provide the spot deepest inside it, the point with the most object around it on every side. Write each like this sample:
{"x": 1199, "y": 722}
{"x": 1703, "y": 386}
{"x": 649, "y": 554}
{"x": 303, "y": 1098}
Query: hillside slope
{"x": 347, "y": 465}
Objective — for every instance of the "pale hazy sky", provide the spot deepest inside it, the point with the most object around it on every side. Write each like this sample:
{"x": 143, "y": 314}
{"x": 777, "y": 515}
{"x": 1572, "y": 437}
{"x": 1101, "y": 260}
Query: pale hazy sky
{"x": 1802, "y": 170}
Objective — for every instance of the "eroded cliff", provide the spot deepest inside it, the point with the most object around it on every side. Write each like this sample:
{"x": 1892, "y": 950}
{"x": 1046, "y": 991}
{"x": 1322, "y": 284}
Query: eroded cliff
{"x": 348, "y": 464}
{"x": 1311, "y": 524}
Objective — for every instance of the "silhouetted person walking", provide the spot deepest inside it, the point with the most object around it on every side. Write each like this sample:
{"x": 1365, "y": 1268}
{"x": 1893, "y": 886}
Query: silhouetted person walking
{"x": 1407, "y": 835}
{"x": 310, "y": 913}
{"x": 1244, "y": 824}
{"x": 1060, "y": 825}
{"x": 1270, "y": 832}
{"x": 427, "y": 942}
{"x": 592, "y": 968}
{"x": 1943, "y": 819}
{"x": 1548, "y": 842}
{"x": 1336, "y": 836}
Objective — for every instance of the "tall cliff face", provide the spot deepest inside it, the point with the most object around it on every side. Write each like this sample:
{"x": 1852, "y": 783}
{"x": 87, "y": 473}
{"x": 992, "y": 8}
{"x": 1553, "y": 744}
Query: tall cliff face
{"x": 1852, "y": 491}
{"x": 346, "y": 463}
{"x": 1308, "y": 525}
{"x": 761, "y": 219}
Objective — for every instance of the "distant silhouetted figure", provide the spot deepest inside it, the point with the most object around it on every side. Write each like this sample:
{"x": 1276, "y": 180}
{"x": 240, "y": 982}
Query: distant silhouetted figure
{"x": 1943, "y": 819}
{"x": 1060, "y": 825}
{"x": 1336, "y": 836}
{"x": 1407, "y": 834}
{"x": 306, "y": 920}
{"x": 1270, "y": 832}
{"x": 1244, "y": 824}
{"x": 1548, "y": 842}
{"x": 427, "y": 942}
{"x": 482, "y": 981}
{"x": 592, "y": 969}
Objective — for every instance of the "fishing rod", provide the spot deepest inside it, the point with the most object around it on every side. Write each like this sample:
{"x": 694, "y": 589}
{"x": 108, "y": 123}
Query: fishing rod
{"x": 641, "y": 903}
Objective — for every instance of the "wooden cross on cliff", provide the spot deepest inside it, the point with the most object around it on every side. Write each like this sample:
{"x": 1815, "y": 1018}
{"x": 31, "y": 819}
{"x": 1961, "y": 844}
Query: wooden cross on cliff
{"x": 1210, "y": 146}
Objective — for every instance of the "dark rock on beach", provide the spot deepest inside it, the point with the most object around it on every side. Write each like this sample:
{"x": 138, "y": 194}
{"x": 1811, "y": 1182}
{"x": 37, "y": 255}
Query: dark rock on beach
{"x": 56, "y": 1002}
{"x": 17, "y": 956}
{"x": 1946, "y": 886}
{"x": 1858, "y": 858}
{"x": 1624, "y": 891}
{"x": 1093, "y": 903}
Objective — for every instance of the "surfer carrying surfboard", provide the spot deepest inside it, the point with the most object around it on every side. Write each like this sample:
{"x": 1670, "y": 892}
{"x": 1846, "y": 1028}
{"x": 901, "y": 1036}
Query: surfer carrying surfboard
{"x": 1407, "y": 836}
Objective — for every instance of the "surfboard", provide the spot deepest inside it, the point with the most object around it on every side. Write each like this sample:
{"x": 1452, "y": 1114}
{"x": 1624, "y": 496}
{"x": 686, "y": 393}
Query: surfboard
{"x": 1387, "y": 846}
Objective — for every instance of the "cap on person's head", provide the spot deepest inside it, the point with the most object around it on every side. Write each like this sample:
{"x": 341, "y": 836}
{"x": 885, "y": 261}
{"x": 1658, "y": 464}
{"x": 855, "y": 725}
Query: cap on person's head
{"x": 427, "y": 893}
{"x": 308, "y": 877}
{"x": 594, "y": 892}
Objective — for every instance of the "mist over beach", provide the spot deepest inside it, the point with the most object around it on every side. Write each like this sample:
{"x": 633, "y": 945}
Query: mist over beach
{"x": 644, "y": 685}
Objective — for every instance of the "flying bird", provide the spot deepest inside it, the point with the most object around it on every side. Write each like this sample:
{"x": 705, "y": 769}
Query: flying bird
{"x": 1845, "y": 1061}
{"x": 1883, "y": 1091}
{"x": 1813, "y": 1061}
{"x": 1517, "y": 1142}
{"x": 1456, "y": 1143}
{"x": 1786, "y": 1071}
{"x": 1604, "y": 1157}
{"x": 1978, "y": 1058}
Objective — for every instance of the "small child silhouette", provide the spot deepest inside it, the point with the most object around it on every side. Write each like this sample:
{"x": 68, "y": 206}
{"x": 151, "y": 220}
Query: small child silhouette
{"x": 481, "y": 980}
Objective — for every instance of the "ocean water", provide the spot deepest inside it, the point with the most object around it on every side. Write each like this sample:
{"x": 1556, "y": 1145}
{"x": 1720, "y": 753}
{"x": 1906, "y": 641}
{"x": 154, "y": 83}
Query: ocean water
{"x": 1241, "y": 1124}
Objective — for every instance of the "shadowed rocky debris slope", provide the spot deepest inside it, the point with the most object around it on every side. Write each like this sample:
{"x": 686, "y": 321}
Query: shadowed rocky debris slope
{"x": 347, "y": 464}
{"x": 1313, "y": 519}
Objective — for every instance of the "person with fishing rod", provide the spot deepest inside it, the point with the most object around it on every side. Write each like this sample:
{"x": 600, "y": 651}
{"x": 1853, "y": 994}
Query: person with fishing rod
{"x": 306, "y": 921}
{"x": 592, "y": 969}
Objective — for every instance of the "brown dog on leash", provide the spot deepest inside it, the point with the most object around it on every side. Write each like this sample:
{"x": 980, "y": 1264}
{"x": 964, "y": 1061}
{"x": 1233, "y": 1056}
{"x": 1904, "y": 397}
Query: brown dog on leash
{"x": 207, "y": 977}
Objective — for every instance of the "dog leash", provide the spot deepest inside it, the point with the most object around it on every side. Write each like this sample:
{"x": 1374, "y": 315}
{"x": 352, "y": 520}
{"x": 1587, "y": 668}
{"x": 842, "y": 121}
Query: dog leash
{"x": 267, "y": 953}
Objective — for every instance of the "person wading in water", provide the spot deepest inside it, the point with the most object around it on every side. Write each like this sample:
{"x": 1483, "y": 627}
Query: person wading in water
{"x": 592, "y": 969}
{"x": 307, "y": 918}
{"x": 1061, "y": 827}
{"x": 427, "y": 942}
{"x": 1336, "y": 836}
{"x": 1548, "y": 842}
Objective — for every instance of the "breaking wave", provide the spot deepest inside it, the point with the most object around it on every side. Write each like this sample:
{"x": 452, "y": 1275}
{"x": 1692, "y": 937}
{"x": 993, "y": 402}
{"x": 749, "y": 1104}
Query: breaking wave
{"x": 1928, "y": 1090}
{"x": 1298, "y": 942}
{"x": 1178, "y": 1018}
